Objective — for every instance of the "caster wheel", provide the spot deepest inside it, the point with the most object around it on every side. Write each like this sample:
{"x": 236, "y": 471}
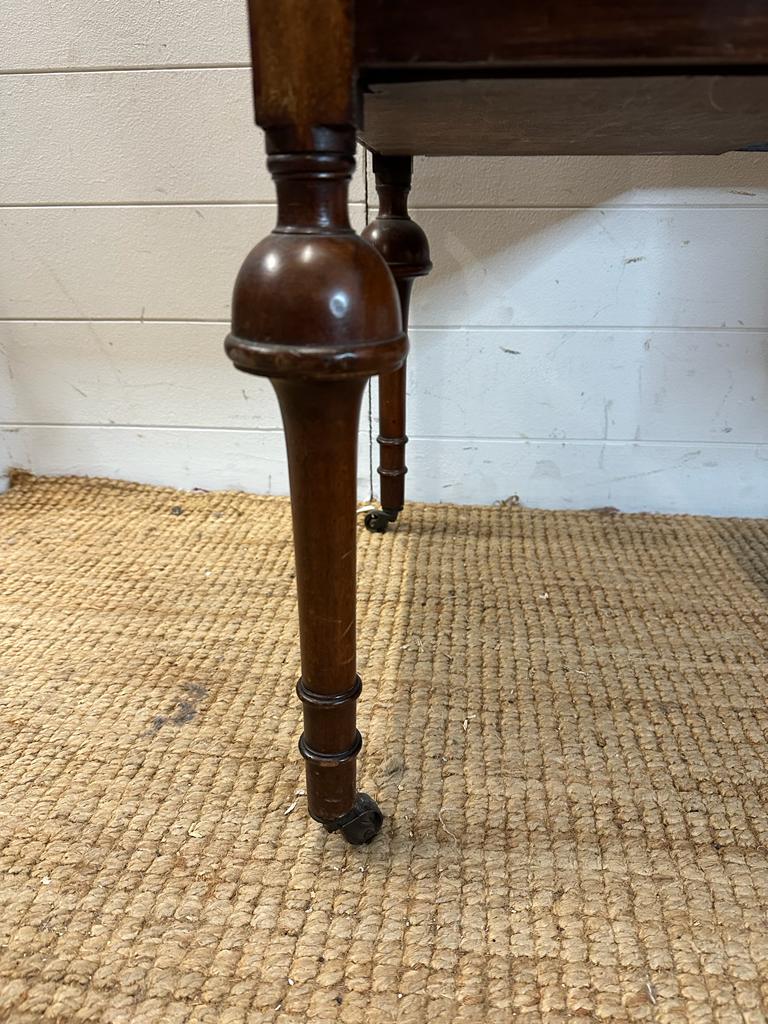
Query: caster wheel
{"x": 379, "y": 519}
{"x": 376, "y": 522}
{"x": 362, "y": 824}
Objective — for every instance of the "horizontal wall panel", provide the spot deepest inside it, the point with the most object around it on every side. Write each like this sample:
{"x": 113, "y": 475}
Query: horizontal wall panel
{"x": 518, "y": 267}
{"x": 706, "y": 479}
{"x": 116, "y": 33}
{"x": 736, "y": 179}
{"x": 628, "y": 267}
{"x": 127, "y": 373}
{"x": 697, "y": 386}
{"x": 142, "y": 262}
{"x": 151, "y": 136}
{"x": 246, "y": 460}
{"x": 632, "y": 385}
{"x": 135, "y": 137}
{"x": 718, "y": 480}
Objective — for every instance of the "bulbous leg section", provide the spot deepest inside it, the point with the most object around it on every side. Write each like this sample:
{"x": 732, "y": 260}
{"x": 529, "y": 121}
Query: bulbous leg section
{"x": 361, "y": 824}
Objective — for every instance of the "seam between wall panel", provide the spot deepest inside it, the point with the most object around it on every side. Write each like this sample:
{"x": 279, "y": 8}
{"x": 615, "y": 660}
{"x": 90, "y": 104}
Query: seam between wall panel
{"x": 369, "y": 388}
{"x": 107, "y": 69}
{"x": 420, "y": 328}
{"x": 15, "y": 427}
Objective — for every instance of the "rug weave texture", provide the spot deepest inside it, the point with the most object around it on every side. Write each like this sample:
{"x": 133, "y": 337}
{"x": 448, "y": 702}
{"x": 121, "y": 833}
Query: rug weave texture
{"x": 566, "y": 725}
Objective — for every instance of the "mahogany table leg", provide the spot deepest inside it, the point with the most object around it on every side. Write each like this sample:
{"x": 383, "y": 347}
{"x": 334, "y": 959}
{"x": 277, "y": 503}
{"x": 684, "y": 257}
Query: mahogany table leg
{"x": 316, "y": 311}
{"x": 404, "y": 246}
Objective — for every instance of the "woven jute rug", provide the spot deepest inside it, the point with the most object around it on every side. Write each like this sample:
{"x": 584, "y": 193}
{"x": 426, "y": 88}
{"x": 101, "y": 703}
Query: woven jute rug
{"x": 566, "y": 722}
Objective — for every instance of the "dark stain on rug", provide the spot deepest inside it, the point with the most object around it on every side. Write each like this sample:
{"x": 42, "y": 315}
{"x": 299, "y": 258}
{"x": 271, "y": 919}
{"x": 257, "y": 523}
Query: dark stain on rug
{"x": 184, "y": 710}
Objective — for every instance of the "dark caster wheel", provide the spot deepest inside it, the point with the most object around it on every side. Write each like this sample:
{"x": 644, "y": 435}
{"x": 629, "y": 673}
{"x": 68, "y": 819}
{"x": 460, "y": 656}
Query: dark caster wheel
{"x": 362, "y": 824}
{"x": 379, "y": 519}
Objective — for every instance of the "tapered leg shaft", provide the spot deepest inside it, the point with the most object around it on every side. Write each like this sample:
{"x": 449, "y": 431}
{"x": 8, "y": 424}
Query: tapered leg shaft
{"x": 404, "y": 246}
{"x": 321, "y": 422}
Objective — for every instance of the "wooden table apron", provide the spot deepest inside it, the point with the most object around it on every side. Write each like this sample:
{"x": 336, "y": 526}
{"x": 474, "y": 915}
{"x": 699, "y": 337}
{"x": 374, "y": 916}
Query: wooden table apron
{"x": 319, "y": 309}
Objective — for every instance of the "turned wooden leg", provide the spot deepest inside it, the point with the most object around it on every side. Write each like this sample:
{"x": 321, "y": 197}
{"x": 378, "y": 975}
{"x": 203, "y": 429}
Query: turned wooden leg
{"x": 316, "y": 310}
{"x": 404, "y": 246}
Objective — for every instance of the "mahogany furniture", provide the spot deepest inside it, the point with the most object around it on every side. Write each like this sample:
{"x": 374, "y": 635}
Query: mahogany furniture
{"x": 319, "y": 309}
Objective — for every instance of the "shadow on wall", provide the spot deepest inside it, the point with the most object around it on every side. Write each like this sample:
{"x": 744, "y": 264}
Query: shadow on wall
{"x": 634, "y": 313}
{"x": 502, "y": 182}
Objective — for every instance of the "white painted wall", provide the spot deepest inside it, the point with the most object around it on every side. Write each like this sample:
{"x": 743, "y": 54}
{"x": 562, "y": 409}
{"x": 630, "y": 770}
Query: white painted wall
{"x": 595, "y": 331}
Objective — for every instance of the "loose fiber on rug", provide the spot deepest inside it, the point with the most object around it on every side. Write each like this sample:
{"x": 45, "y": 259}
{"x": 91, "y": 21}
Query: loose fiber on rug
{"x": 566, "y": 722}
